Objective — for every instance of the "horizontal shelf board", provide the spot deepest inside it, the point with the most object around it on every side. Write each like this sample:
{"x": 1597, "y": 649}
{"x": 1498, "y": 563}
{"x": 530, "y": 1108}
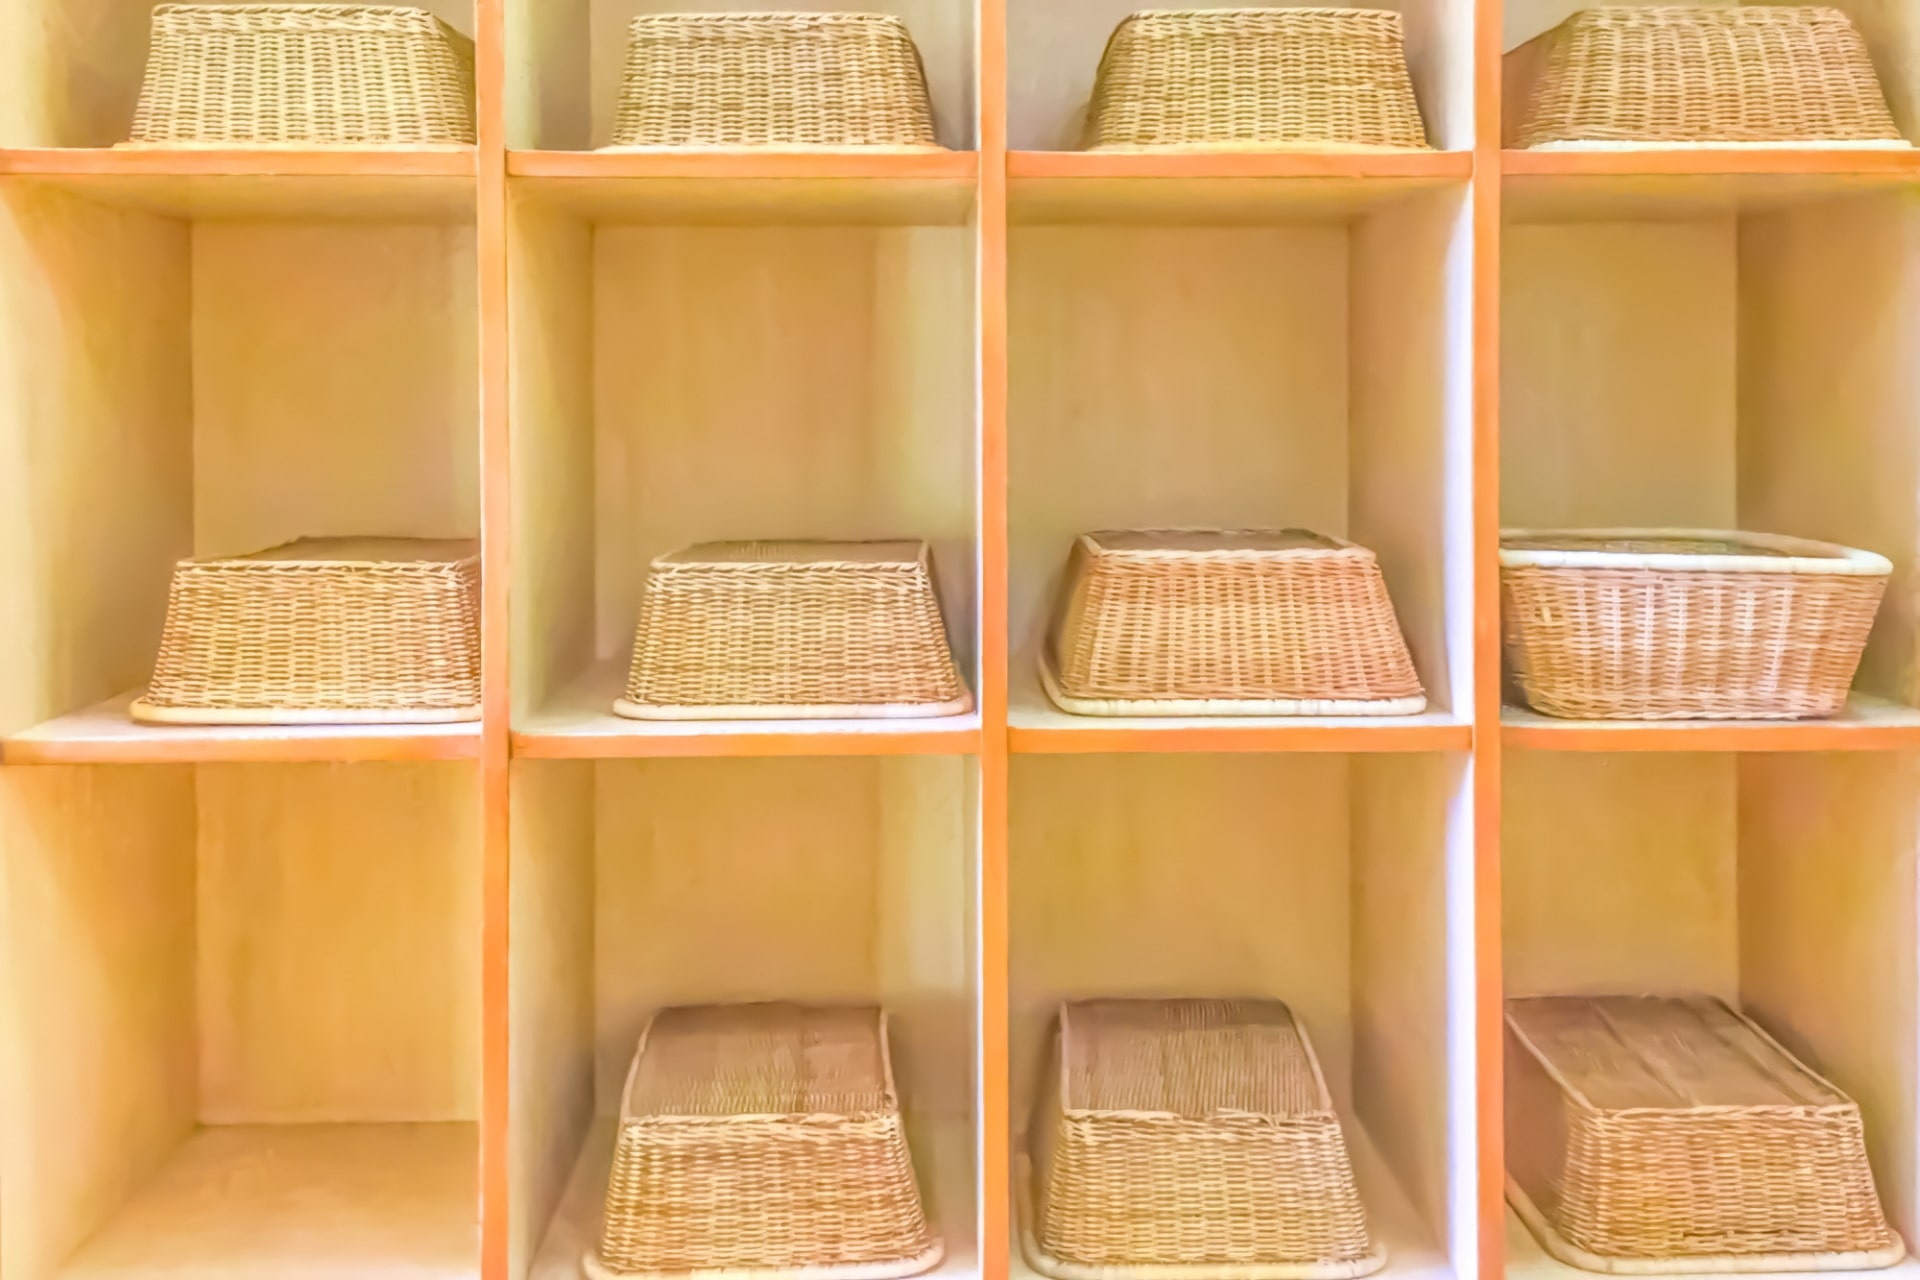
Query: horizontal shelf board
{"x": 326, "y": 184}
{"x": 272, "y": 1202}
{"x": 1526, "y": 1260}
{"x": 1868, "y": 724}
{"x": 1550, "y": 186}
{"x": 579, "y": 724}
{"x": 1219, "y": 186}
{"x": 102, "y": 734}
{"x": 934, "y": 188}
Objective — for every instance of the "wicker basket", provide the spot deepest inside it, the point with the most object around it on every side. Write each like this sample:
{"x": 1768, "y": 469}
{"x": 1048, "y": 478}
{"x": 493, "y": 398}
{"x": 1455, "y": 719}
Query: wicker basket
{"x": 1181, "y": 622}
{"x": 1189, "y": 1140}
{"x": 304, "y": 76}
{"x": 763, "y": 1139}
{"x": 322, "y": 631}
{"x": 783, "y": 81}
{"x": 793, "y": 630}
{"x": 1760, "y": 76}
{"x": 1660, "y": 1135}
{"x": 1244, "y": 79}
{"x": 1685, "y": 624}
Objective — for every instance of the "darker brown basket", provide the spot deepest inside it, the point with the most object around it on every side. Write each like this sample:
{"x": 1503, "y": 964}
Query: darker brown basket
{"x": 1649, "y": 1134}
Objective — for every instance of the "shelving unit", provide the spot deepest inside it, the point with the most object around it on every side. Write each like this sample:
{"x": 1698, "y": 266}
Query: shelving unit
{"x": 354, "y": 1002}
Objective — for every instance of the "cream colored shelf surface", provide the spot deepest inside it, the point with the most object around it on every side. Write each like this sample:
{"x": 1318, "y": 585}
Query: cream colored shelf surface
{"x": 1526, "y": 1260}
{"x": 1867, "y": 724}
{"x": 300, "y": 1202}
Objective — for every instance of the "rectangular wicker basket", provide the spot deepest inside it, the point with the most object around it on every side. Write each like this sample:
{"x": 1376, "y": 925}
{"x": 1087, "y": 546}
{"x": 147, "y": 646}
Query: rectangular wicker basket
{"x": 305, "y": 75}
{"x": 793, "y": 630}
{"x": 1181, "y": 622}
{"x": 781, "y": 81}
{"x": 1255, "y": 79}
{"x": 1657, "y": 1135}
{"x": 322, "y": 631}
{"x": 1700, "y": 76}
{"x": 1685, "y": 624}
{"x": 763, "y": 1140}
{"x": 1189, "y": 1140}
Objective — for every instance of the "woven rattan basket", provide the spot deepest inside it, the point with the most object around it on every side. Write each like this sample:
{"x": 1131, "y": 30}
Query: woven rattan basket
{"x": 782, "y": 81}
{"x": 1189, "y": 1140}
{"x": 322, "y": 631}
{"x": 1245, "y": 79}
{"x": 793, "y": 630}
{"x": 1685, "y": 624}
{"x": 1720, "y": 76}
{"x": 763, "y": 1139}
{"x": 1181, "y": 622}
{"x": 1652, "y": 1134}
{"x": 305, "y": 76}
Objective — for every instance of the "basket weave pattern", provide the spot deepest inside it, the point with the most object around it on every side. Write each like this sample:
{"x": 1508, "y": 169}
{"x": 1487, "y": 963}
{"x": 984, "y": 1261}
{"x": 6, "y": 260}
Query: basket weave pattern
{"x": 1686, "y": 74}
{"x": 1255, "y": 78}
{"x": 763, "y": 1138}
{"x": 792, "y": 627}
{"x": 772, "y": 80}
{"x": 304, "y": 75}
{"x": 1665, "y": 1129}
{"x": 321, "y": 629}
{"x": 1192, "y": 1132}
{"x": 1628, "y": 641}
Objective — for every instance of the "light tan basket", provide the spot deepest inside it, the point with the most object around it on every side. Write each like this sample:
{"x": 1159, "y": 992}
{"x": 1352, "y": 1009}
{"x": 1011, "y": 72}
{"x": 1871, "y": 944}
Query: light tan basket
{"x": 1659, "y": 1135}
{"x": 763, "y": 1140}
{"x": 793, "y": 630}
{"x": 1182, "y": 622}
{"x": 783, "y": 81}
{"x": 1718, "y": 76}
{"x": 1189, "y": 1140}
{"x": 1685, "y": 624}
{"x": 305, "y": 76}
{"x": 322, "y": 631}
{"x": 1246, "y": 79}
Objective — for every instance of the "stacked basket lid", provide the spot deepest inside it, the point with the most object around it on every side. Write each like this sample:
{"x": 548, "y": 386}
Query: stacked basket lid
{"x": 1671, "y": 1134}
{"x": 304, "y": 75}
{"x": 758, "y": 1139}
{"x": 1255, "y": 78}
{"x": 1719, "y": 76}
{"x": 776, "y": 80}
{"x": 1226, "y": 622}
{"x": 1666, "y": 624}
{"x": 1189, "y": 1140}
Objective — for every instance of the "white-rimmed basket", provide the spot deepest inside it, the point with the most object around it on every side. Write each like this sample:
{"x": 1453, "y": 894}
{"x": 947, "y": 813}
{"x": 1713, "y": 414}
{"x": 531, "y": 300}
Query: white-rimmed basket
{"x": 1685, "y": 624}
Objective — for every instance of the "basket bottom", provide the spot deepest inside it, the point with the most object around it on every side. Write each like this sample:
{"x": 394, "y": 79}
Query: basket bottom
{"x": 1048, "y": 1265}
{"x": 925, "y": 1261}
{"x": 776, "y": 148}
{"x": 1050, "y": 681}
{"x": 1563, "y": 1250}
{"x": 143, "y": 712}
{"x": 1874, "y": 144}
{"x": 750, "y": 711}
{"x": 437, "y": 148}
{"x": 1256, "y": 148}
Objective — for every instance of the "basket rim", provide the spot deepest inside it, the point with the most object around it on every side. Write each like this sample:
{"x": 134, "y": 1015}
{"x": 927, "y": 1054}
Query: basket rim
{"x": 1710, "y": 11}
{"x": 263, "y": 558}
{"x": 406, "y": 12}
{"x": 1304, "y": 11}
{"x": 767, "y": 17}
{"x": 1333, "y": 546}
{"x": 1800, "y": 555}
{"x": 919, "y": 555}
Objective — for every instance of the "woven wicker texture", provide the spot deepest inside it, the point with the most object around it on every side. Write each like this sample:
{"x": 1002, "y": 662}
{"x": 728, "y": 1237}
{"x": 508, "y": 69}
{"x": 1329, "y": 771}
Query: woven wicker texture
{"x": 309, "y": 75}
{"x": 1619, "y": 632}
{"x": 1684, "y": 74}
{"x": 770, "y": 629}
{"x": 1249, "y": 78}
{"x": 772, "y": 80}
{"x": 319, "y": 630}
{"x": 763, "y": 1138}
{"x": 1191, "y": 1132}
{"x": 1257, "y": 615}
{"x": 1643, "y": 1127}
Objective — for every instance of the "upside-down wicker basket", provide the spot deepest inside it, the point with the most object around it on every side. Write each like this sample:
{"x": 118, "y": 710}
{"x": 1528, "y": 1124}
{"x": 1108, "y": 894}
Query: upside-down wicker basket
{"x": 304, "y": 75}
{"x": 1656, "y": 1135}
{"x": 1710, "y": 76}
{"x": 773, "y": 80}
{"x": 763, "y": 1139}
{"x": 322, "y": 631}
{"x": 1189, "y": 1140}
{"x": 1679, "y": 624}
{"x": 1177, "y": 622}
{"x": 792, "y": 630}
{"x": 1234, "y": 79}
